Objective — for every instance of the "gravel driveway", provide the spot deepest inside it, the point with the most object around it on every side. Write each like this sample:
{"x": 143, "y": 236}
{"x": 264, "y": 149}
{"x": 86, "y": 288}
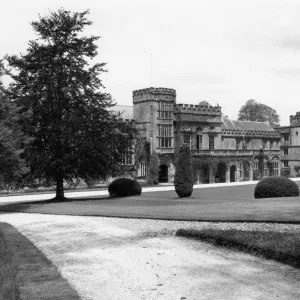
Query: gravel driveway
{"x": 111, "y": 258}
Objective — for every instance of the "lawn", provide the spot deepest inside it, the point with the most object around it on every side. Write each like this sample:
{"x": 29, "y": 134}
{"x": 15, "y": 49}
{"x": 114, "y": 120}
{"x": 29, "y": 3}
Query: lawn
{"x": 25, "y": 273}
{"x": 280, "y": 246}
{"x": 230, "y": 203}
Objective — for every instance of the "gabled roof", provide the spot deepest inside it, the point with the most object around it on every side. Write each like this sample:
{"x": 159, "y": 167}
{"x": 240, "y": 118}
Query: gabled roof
{"x": 125, "y": 110}
{"x": 245, "y": 125}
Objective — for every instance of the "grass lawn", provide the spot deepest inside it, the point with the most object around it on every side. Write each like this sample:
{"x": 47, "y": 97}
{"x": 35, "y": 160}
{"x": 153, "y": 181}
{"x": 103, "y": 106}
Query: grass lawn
{"x": 25, "y": 273}
{"x": 230, "y": 203}
{"x": 280, "y": 246}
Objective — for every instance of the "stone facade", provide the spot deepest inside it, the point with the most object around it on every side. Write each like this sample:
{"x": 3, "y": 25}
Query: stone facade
{"x": 290, "y": 146}
{"x": 223, "y": 150}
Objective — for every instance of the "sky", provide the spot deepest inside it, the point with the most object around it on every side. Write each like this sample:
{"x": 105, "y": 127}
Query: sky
{"x": 224, "y": 52}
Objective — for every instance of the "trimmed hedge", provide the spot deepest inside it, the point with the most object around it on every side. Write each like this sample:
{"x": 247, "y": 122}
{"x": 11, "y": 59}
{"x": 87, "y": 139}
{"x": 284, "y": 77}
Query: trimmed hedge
{"x": 183, "y": 179}
{"x": 123, "y": 187}
{"x": 276, "y": 186}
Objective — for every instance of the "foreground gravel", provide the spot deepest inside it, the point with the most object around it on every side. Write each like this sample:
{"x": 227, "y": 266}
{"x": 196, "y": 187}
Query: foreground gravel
{"x": 118, "y": 258}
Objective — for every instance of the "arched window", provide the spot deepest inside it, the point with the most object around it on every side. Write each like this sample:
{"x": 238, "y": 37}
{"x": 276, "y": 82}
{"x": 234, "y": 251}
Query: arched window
{"x": 266, "y": 169}
{"x": 275, "y": 165}
{"x": 255, "y": 168}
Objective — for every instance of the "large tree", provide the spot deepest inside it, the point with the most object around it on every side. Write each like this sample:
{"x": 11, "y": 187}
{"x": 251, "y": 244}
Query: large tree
{"x": 62, "y": 103}
{"x": 255, "y": 111}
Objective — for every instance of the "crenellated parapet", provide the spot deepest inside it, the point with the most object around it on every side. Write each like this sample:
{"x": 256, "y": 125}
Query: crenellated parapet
{"x": 295, "y": 120}
{"x": 154, "y": 94}
{"x": 250, "y": 133}
{"x": 198, "y": 109}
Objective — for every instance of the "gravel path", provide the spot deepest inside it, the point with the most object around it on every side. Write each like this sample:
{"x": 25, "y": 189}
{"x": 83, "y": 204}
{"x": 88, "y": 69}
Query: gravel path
{"x": 111, "y": 258}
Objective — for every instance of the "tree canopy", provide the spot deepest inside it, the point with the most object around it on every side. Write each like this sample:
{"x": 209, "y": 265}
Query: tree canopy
{"x": 62, "y": 104}
{"x": 255, "y": 111}
{"x": 204, "y": 103}
{"x": 12, "y": 165}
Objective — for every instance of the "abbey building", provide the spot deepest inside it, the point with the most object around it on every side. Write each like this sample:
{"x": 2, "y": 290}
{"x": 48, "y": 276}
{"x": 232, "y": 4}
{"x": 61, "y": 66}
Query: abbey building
{"x": 223, "y": 150}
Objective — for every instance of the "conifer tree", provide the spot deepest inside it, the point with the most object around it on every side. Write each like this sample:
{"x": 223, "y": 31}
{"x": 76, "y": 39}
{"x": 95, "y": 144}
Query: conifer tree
{"x": 183, "y": 179}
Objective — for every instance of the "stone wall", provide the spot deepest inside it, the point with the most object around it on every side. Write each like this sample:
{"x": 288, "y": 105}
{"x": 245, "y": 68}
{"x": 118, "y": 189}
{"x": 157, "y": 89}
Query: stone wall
{"x": 295, "y": 120}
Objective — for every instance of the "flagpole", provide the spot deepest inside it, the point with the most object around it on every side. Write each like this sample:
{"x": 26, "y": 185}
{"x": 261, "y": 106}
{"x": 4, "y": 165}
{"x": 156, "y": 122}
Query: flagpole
{"x": 151, "y": 69}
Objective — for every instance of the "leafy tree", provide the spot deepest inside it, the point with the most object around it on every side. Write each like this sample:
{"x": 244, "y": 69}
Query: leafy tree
{"x": 12, "y": 166}
{"x": 183, "y": 179}
{"x": 141, "y": 151}
{"x": 62, "y": 105}
{"x": 153, "y": 169}
{"x": 255, "y": 111}
{"x": 204, "y": 103}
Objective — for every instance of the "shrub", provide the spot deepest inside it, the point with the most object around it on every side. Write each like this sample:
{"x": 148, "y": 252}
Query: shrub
{"x": 272, "y": 187}
{"x": 123, "y": 187}
{"x": 285, "y": 172}
{"x": 183, "y": 179}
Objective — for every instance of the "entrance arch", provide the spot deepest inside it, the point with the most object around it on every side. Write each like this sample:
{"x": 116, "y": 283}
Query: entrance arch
{"x": 163, "y": 173}
{"x": 221, "y": 173}
{"x": 205, "y": 174}
{"x": 232, "y": 173}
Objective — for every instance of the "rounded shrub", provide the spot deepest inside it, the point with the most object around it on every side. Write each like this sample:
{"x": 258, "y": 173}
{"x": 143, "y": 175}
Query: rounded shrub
{"x": 123, "y": 187}
{"x": 277, "y": 186}
{"x": 183, "y": 179}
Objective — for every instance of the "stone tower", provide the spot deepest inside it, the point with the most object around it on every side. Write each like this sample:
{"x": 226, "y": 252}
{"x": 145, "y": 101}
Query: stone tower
{"x": 153, "y": 109}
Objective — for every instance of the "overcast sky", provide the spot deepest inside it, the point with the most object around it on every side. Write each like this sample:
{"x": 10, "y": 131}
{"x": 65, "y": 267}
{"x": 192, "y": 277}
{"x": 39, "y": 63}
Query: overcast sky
{"x": 221, "y": 51}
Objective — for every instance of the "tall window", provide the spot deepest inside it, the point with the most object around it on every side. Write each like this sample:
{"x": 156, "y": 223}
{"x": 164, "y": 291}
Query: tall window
{"x": 286, "y": 151}
{"x": 199, "y": 142}
{"x": 238, "y": 143}
{"x": 272, "y": 145}
{"x": 255, "y": 168}
{"x": 285, "y": 164}
{"x": 286, "y": 137}
{"x": 265, "y": 142}
{"x": 211, "y": 143}
{"x": 165, "y": 136}
{"x": 187, "y": 139}
{"x": 248, "y": 144}
{"x": 266, "y": 169}
{"x": 144, "y": 169}
{"x": 275, "y": 166}
{"x": 127, "y": 155}
{"x": 165, "y": 111}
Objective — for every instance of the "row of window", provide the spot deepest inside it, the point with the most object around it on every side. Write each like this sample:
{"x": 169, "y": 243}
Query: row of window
{"x": 199, "y": 141}
{"x": 246, "y": 144}
{"x": 275, "y": 166}
{"x": 286, "y": 137}
{"x": 165, "y": 110}
{"x": 165, "y": 136}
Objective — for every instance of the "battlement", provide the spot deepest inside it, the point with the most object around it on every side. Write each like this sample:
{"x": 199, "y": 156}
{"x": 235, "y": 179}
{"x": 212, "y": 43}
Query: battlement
{"x": 295, "y": 120}
{"x": 152, "y": 90}
{"x": 251, "y": 132}
{"x": 197, "y": 108}
{"x": 154, "y": 94}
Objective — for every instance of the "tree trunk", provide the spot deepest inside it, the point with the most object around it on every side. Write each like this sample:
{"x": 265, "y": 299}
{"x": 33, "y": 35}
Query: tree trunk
{"x": 60, "y": 195}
